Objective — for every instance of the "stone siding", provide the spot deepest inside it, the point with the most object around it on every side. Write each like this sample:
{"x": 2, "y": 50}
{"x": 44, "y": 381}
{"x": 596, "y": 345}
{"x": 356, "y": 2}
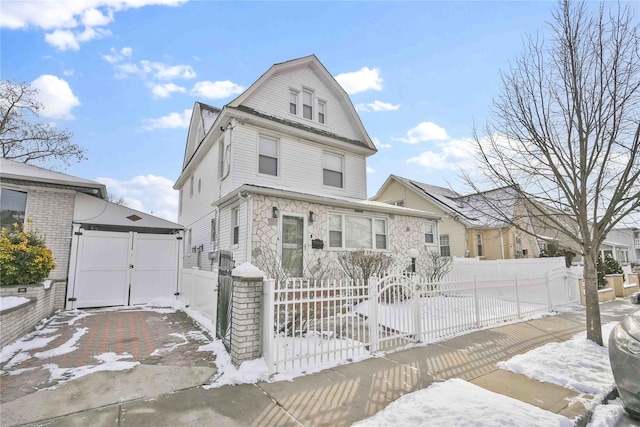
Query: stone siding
{"x": 403, "y": 233}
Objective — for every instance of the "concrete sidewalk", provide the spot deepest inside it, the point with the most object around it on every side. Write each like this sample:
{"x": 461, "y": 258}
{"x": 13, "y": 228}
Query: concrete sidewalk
{"x": 349, "y": 393}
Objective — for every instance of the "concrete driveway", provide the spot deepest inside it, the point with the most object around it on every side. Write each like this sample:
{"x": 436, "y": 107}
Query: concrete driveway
{"x": 84, "y": 359}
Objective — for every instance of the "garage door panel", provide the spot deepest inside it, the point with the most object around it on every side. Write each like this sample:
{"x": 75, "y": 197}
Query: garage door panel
{"x": 102, "y": 269}
{"x": 155, "y": 268}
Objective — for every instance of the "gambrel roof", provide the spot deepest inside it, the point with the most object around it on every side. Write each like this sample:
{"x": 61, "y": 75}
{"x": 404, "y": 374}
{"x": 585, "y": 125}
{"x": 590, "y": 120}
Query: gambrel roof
{"x": 207, "y": 122}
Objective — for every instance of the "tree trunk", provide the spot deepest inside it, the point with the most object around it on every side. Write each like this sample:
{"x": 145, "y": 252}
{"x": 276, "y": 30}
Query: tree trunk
{"x": 594, "y": 327}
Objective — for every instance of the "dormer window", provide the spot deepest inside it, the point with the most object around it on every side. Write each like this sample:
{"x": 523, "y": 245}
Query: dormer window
{"x": 307, "y": 104}
{"x": 293, "y": 102}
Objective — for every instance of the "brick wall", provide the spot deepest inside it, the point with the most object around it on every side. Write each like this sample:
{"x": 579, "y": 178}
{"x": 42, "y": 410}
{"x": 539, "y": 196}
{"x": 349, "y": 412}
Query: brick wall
{"x": 246, "y": 320}
{"x": 17, "y": 321}
{"x": 51, "y": 213}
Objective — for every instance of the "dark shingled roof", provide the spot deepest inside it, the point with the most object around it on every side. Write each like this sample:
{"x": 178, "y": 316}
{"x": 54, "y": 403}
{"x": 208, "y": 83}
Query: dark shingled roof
{"x": 298, "y": 125}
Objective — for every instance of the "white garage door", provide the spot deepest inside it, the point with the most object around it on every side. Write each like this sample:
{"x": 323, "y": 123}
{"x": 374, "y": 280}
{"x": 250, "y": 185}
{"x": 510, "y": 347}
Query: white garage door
{"x": 116, "y": 269}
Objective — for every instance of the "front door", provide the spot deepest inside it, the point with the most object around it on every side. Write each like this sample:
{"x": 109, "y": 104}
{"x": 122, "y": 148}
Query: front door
{"x": 292, "y": 245}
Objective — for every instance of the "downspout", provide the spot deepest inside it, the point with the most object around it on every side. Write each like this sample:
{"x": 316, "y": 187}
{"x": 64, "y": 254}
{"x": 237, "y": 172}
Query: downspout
{"x": 502, "y": 242}
{"x": 249, "y": 220}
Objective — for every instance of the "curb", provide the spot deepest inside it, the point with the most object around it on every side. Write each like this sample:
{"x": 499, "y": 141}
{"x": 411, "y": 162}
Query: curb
{"x": 585, "y": 418}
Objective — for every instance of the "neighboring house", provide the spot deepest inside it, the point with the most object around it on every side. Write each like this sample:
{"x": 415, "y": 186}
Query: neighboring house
{"x": 492, "y": 233}
{"x": 623, "y": 244}
{"x": 278, "y": 177}
{"x": 451, "y": 234}
{"x": 106, "y": 254}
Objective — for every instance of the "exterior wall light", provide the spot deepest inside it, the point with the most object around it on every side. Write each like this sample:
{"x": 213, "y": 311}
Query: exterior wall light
{"x": 275, "y": 212}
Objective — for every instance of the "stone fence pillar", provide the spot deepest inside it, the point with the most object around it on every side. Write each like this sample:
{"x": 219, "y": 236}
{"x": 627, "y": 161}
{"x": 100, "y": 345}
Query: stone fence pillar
{"x": 246, "y": 312}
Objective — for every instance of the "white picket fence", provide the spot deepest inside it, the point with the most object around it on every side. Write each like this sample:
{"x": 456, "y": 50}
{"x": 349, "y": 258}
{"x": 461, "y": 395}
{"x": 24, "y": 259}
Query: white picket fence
{"x": 310, "y": 323}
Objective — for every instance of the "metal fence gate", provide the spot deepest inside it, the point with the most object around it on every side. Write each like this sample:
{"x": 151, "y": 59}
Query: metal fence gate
{"x": 225, "y": 290}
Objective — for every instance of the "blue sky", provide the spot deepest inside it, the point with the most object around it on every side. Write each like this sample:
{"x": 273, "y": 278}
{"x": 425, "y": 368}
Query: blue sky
{"x": 123, "y": 75}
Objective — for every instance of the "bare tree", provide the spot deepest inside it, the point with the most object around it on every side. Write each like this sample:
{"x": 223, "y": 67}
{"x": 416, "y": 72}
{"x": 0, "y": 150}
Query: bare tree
{"x": 26, "y": 141}
{"x": 564, "y": 136}
{"x": 118, "y": 200}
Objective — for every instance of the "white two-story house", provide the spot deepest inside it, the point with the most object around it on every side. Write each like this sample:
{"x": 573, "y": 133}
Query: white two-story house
{"x": 278, "y": 177}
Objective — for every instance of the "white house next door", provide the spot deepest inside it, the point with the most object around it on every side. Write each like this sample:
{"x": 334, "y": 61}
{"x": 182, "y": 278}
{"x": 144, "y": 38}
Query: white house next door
{"x": 292, "y": 244}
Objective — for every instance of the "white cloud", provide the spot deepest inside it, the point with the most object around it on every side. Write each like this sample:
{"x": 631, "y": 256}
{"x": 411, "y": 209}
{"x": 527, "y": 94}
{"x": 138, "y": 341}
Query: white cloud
{"x": 116, "y": 56}
{"x": 69, "y": 72}
{"x": 216, "y": 90}
{"x": 425, "y": 131}
{"x": 370, "y": 169}
{"x": 158, "y": 70}
{"x": 170, "y": 121}
{"x": 165, "y": 90}
{"x": 147, "y": 193}
{"x": 56, "y": 96}
{"x": 69, "y": 22}
{"x": 450, "y": 155}
{"x": 379, "y": 144}
{"x": 361, "y": 80}
{"x": 377, "y": 106}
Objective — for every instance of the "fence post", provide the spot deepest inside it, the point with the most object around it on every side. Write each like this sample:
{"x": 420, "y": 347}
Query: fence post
{"x": 417, "y": 312}
{"x": 546, "y": 278}
{"x": 517, "y": 296}
{"x": 476, "y": 300}
{"x": 373, "y": 314}
{"x": 268, "y": 319}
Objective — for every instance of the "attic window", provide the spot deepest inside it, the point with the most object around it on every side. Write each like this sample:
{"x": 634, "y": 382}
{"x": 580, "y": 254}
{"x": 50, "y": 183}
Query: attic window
{"x": 134, "y": 217}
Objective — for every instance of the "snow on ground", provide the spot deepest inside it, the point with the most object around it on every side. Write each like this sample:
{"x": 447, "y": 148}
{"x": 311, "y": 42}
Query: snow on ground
{"x": 108, "y": 362}
{"x": 607, "y": 415}
{"x": 577, "y": 364}
{"x": 9, "y": 302}
{"x": 66, "y": 347}
{"x": 458, "y": 403}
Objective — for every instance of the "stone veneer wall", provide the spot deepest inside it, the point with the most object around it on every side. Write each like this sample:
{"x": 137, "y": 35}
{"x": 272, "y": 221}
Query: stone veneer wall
{"x": 403, "y": 233}
{"x": 17, "y": 321}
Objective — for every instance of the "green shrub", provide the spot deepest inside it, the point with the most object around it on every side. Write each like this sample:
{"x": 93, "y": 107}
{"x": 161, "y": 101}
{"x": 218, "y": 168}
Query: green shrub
{"x": 24, "y": 258}
{"x": 611, "y": 266}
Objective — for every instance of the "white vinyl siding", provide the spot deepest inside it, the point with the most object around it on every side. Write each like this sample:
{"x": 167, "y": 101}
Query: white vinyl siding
{"x": 357, "y": 232}
{"x": 292, "y": 172}
{"x": 273, "y": 96}
{"x": 268, "y": 156}
{"x": 191, "y": 186}
{"x": 333, "y": 170}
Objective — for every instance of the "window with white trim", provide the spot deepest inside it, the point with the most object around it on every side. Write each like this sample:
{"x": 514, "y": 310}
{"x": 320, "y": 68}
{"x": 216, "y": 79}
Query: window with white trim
{"x": 13, "y": 206}
{"x": 268, "y": 156}
{"x": 293, "y": 102}
{"x": 479, "y": 244}
{"x": 235, "y": 225}
{"x": 307, "y": 104}
{"x": 357, "y": 232}
{"x": 445, "y": 248}
{"x": 322, "y": 111}
{"x": 332, "y": 170}
{"x": 429, "y": 233}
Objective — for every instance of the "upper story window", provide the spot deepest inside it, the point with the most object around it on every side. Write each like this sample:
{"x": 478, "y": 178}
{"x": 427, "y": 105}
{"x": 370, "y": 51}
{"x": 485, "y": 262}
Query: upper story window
{"x": 268, "y": 156}
{"x": 429, "y": 233}
{"x": 322, "y": 108}
{"x": 307, "y": 104}
{"x": 357, "y": 232}
{"x": 332, "y": 170}
{"x": 293, "y": 102}
{"x": 13, "y": 205}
